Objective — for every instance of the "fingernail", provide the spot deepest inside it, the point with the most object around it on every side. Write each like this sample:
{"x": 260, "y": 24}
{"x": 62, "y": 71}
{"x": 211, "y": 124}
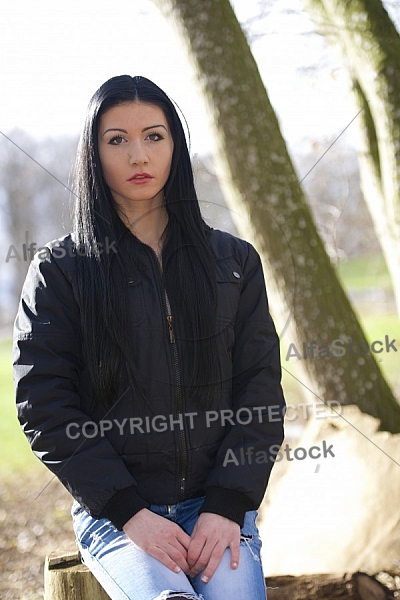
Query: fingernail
{"x": 177, "y": 569}
{"x": 205, "y": 579}
{"x": 234, "y": 565}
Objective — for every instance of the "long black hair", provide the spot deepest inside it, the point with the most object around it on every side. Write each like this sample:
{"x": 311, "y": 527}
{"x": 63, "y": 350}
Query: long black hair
{"x": 186, "y": 255}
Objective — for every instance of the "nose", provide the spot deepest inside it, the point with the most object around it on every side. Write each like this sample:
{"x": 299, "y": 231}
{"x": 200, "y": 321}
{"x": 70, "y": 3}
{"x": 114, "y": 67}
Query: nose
{"x": 137, "y": 153}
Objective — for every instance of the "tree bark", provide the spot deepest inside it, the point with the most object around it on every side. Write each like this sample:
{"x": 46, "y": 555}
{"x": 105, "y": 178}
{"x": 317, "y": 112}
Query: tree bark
{"x": 370, "y": 46}
{"x": 260, "y": 182}
{"x": 358, "y": 586}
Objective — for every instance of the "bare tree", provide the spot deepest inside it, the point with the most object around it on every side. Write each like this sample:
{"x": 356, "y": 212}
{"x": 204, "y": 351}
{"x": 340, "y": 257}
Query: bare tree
{"x": 260, "y": 182}
{"x": 34, "y": 203}
{"x": 370, "y": 45}
{"x": 335, "y": 198}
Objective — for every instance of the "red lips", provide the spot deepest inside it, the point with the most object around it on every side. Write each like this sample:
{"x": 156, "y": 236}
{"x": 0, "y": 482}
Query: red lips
{"x": 140, "y": 176}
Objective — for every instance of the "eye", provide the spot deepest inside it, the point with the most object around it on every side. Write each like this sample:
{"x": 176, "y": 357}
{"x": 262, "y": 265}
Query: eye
{"x": 155, "y": 136}
{"x": 116, "y": 140}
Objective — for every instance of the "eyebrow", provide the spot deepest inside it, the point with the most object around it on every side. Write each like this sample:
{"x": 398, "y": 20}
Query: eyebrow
{"x": 144, "y": 129}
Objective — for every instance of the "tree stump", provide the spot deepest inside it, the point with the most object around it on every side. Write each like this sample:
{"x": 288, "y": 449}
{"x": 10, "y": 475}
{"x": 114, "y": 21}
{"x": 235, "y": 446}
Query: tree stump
{"x": 66, "y": 578}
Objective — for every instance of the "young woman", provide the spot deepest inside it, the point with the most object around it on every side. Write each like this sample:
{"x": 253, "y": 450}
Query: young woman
{"x": 147, "y": 365}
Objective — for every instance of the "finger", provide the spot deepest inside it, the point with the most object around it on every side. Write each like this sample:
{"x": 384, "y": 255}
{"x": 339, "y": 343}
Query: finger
{"x": 213, "y": 563}
{"x": 177, "y": 544}
{"x": 204, "y": 558}
{"x": 178, "y": 555}
{"x": 165, "y": 559}
{"x": 183, "y": 538}
{"x": 195, "y": 549}
{"x": 235, "y": 554}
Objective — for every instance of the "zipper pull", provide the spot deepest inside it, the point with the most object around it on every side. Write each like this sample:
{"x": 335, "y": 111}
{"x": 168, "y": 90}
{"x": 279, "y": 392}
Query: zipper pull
{"x": 171, "y": 329}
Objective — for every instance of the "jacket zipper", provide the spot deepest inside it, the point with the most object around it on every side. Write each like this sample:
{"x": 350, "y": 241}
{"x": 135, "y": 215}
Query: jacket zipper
{"x": 179, "y": 399}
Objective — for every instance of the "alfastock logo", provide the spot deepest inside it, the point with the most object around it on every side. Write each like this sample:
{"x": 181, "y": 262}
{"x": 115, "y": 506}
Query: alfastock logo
{"x": 28, "y": 251}
{"x": 338, "y": 348}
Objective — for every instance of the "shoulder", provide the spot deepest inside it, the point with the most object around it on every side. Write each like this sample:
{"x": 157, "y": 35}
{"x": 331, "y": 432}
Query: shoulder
{"x": 48, "y": 294}
{"x": 54, "y": 257}
{"x": 57, "y": 248}
{"x": 225, "y": 245}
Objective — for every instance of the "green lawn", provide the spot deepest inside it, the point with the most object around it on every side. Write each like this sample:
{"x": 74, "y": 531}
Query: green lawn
{"x": 16, "y": 451}
{"x": 356, "y": 275}
{"x": 364, "y": 272}
{"x": 375, "y": 327}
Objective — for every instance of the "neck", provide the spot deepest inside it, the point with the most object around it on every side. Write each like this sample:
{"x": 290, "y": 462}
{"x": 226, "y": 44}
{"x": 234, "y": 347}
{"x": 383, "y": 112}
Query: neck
{"x": 147, "y": 224}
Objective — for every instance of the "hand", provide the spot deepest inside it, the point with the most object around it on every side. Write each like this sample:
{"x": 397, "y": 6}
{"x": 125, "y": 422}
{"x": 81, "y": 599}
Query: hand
{"x": 211, "y": 535}
{"x": 158, "y": 537}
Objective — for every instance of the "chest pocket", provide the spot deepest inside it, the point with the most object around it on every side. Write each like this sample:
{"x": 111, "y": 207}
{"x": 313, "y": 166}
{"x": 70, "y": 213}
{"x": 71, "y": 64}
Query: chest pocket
{"x": 229, "y": 277}
{"x": 137, "y": 309}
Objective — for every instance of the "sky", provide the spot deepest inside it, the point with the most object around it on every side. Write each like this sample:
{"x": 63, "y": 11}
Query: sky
{"x": 56, "y": 54}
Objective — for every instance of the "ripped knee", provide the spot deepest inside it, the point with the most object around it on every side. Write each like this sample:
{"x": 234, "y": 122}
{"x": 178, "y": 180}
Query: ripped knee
{"x": 180, "y": 597}
{"x": 246, "y": 540}
{"x": 177, "y": 596}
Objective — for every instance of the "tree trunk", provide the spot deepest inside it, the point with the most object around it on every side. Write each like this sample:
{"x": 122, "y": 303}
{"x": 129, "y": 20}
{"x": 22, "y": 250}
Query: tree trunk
{"x": 32, "y": 203}
{"x": 370, "y": 45}
{"x": 19, "y": 182}
{"x": 260, "y": 182}
{"x": 359, "y": 586}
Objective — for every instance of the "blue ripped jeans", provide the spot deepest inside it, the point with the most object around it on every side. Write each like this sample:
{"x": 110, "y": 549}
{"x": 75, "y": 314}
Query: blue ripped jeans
{"x": 128, "y": 573}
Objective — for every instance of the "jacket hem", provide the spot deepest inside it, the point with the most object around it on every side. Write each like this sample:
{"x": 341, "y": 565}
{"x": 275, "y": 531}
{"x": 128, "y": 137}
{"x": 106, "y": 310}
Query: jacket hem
{"x": 228, "y": 503}
{"x": 123, "y": 506}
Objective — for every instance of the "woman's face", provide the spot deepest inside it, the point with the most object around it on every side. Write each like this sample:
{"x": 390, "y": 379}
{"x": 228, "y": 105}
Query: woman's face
{"x": 135, "y": 147}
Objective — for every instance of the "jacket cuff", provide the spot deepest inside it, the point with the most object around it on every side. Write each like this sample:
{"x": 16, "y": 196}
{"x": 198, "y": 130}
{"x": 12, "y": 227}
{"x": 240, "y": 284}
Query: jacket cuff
{"x": 228, "y": 503}
{"x": 123, "y": 506}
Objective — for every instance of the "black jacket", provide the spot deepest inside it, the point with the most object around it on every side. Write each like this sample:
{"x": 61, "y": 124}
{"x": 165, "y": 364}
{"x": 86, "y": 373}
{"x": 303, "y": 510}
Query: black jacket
{"x": 119, "y": 461}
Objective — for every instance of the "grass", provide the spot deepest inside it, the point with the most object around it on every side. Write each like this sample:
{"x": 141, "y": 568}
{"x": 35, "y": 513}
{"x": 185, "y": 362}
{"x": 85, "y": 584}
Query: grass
{"x": 357, "y": 275}
{"x": 364, "y": 272}
{"x": 375, "y": 327}
{"x": 17, "y": 455}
